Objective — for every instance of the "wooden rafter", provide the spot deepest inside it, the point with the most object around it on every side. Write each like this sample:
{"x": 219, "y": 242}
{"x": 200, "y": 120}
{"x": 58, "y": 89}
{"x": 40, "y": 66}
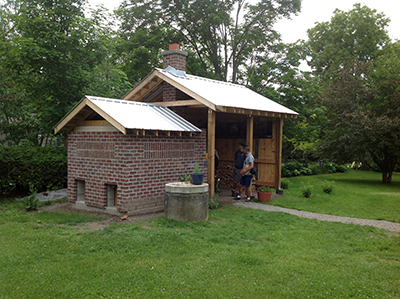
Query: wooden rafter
{"x": 80, "y": 113}
{"x": 253, "y": 112}
{"x": 143, "y": 88}
{"x": 71, "y": 115}
{"x": 94, "y": 123}
{"x": 107, "y": 117}
{"x": 178, "y": 103}
{"x": 185, "y": 90}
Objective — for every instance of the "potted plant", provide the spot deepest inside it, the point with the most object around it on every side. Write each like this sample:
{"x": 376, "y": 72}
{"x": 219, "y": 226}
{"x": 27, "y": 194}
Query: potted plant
{"x": 197, "y": 175}
{"x": 264, "y": 193}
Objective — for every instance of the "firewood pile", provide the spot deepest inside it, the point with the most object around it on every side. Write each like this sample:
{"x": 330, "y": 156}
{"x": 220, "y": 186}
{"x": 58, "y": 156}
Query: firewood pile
{"x": 224, "y": 173}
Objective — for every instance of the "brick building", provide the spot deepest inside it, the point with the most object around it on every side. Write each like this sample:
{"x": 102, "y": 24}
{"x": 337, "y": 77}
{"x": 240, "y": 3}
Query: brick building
{"x": 122, "y": 152}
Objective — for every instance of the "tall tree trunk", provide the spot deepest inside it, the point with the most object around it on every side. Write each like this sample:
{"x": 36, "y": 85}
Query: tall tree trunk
{"x": 387, "y": 177}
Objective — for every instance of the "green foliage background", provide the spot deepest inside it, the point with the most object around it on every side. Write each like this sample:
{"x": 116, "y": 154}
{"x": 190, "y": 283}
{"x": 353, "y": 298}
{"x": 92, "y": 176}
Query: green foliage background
{"x": 40, "y": 168}
{"x": 54, "y": 52}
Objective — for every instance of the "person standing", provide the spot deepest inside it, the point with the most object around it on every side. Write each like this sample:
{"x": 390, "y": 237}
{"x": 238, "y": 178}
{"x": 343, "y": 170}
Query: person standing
{"x": 239, "y": 159}
{"x": 248, "y": 165}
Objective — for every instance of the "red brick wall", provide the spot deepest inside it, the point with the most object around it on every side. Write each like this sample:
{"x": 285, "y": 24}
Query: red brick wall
{"x": 169, "y": 92}
{"x": 139, "y": 165}
{"x": 176, "y": 59}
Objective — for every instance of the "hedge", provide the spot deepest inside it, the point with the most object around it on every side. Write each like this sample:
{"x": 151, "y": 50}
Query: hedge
{"x": 43, "y": 168}
{"x": 296, "y": 168}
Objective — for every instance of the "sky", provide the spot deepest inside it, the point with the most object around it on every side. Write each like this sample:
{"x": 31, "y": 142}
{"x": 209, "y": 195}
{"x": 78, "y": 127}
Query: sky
{"x": 313, "y": 11}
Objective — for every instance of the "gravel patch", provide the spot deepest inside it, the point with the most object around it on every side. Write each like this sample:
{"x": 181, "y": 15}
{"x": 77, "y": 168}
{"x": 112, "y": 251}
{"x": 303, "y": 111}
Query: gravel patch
{"x": 50, "y": 195}
{"x": 386, "y": 225}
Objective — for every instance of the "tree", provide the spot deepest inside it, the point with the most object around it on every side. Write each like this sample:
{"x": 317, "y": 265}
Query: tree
{"x": 278, "y": 77}
{"x": 48, "y": 52}
{"x": 364, "y": 109}
{"x": 350, "y": 37}
{"x": 224, "y": 34}
{"x": 107, "y": 80}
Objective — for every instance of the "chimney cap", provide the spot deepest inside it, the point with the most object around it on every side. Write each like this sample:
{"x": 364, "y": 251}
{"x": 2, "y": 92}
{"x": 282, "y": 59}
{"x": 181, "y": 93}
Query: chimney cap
{"x": 174, "y": 46}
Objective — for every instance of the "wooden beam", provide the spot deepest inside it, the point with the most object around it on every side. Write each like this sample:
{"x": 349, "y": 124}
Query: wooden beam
{"x": 185, "y": 90}
{"x": 108, "y": 118}
{"x": 278, "y": 123}
{"x": 140, "y": 86}
{"x": 211, "y": 152}
{"x": 252, "y": 112}
{"x": 177, "y": 103}
{"x": 70, "y": 116}
{"x": 250, "y": 132}
{"x": 95, "y": 123}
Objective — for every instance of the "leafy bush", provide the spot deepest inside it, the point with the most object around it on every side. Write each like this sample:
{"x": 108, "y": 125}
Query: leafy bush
{"x": 285, "y": 172}
{"x": 40, "y": 168}
{"x": 294, "y": 169}
{"x": 341, "y": 168}
{"x": 328, "y": 186}
{"x": 306, "y": 190}
{"x": 285, "y": 183}
{"x": 213, "y": 203}
{"x": 31, "y": 202}
{"x": 305, "y": 170}
{"x": 264, "y": 189}
{"x": 316, "y": 169}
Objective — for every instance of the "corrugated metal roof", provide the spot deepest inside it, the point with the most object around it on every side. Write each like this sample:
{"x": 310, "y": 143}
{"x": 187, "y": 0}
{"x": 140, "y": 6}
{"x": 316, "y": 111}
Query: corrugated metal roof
{"x": 143, "y": 116}
{"x": 227, "y": 94}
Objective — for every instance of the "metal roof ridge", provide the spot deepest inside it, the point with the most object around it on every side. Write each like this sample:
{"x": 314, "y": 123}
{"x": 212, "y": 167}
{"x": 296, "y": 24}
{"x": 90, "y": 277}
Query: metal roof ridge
{"x": 188, "y": 76}
{"x": 95, "y": 98}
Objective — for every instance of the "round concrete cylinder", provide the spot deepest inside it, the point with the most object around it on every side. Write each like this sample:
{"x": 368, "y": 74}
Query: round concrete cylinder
{"x": 186, "y": 202}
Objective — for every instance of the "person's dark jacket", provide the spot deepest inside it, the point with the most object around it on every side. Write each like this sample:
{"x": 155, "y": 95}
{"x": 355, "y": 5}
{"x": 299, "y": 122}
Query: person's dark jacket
{"x": 239, "y": 159}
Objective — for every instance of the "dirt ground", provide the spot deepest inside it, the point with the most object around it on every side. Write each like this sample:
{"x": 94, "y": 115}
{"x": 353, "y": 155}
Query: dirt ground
{"x": 95, "y": 225}
{"x": 69, "y": 207}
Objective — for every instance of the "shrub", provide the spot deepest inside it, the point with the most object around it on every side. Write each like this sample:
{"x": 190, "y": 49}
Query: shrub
{"x": 341, "y": 168}
{"x": 328, "y": 186}
{"x": 305, "y": 170}
{"x": 213, "y": 203}
{"x": 315, "y": 169}
{"x": 31, "y": 202}
{"x": 293, "y": 165}
{"x": 306, "y": 190}
{"x": 285, "y": 172}
{"x": 264, "y": 189}
{"x": 40, "y": 168}
{"x": 296, "y": 168}
{"x": 285, "y": 183}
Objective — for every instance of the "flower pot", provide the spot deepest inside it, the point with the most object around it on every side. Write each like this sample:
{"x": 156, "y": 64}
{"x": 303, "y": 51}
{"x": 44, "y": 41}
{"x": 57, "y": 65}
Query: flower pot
{"x": 264, "y": 196}
{"x": 197, "y": 179}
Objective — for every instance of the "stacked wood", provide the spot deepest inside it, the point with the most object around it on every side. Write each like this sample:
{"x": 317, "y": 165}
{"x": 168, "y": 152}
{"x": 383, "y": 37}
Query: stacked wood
{"x": 224, "y": 174}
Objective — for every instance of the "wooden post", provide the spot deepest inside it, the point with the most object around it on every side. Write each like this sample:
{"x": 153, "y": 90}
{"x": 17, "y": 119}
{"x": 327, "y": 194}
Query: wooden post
{"x": 278, "y": 154}
{"x": 250, "y": 132}
{"x": 211, "y": 152}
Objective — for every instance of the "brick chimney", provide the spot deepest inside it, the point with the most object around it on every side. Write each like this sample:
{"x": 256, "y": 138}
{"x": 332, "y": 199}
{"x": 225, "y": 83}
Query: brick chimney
{"x": 174, "y": 57}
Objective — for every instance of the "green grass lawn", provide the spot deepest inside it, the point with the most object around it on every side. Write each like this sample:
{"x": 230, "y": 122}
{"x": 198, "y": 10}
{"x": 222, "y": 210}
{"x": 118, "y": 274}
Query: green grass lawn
{"x": 359, "y": 194}
{"x": 238, "y": 253}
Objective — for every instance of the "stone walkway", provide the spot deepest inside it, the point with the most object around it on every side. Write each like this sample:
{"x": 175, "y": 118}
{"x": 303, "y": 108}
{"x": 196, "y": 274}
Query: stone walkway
{"x": 390, "y": 226}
